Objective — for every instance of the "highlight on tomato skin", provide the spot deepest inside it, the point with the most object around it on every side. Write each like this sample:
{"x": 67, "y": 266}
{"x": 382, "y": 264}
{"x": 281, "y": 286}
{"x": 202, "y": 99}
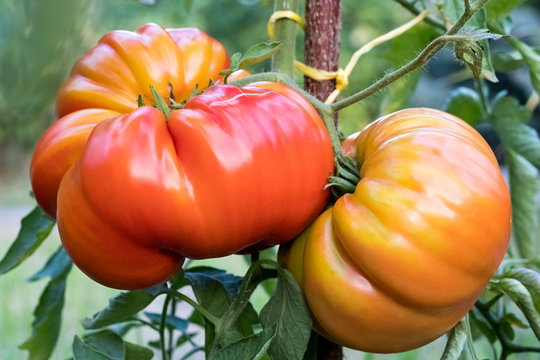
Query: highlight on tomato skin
{"x": 400, "y": 261}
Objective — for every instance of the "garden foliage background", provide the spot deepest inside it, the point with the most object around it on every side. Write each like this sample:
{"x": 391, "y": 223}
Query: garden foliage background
{"x": 39, "y": 41}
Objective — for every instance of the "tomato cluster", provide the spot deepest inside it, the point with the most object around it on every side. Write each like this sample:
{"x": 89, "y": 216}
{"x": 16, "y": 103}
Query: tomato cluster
{"x": 135, "y": 193}
{"x": 388, "y": 268}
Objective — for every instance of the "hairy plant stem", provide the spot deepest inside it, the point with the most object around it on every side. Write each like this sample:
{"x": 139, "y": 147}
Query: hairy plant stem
{"x": 485, "y": 107}
{"x": 254, "y": 276}
{"x": 422, "y": 59}
{"x": 213, "y": 319}
{"x": 410, "y": 6}
{"x": 507, "y": 347}
{"x": 285, "y": 30}
{"x": 164, "y": 352}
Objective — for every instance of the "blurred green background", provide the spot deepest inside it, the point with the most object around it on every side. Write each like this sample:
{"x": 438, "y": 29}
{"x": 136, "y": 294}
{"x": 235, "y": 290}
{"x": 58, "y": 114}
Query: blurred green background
{"x": 39, "y": 41}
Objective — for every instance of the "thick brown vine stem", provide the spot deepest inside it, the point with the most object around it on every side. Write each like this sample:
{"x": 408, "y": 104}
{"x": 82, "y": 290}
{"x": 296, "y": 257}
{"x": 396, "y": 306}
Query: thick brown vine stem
{"x": 322, "y": 42}
{"x": 321, "y": 51}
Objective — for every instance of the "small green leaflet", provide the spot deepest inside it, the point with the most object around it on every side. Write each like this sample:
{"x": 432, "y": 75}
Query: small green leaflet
{"x": 507, "y": 118}
{"x": 255, "y": 54}
{"x": 47, "y": 317}
{"x": 107, "y": 345}
{"x": 520, "y": 295}
{"x": 54, "y": 267}
{"x": 287, "y": 311}
{"x": 453, "y": 9}
{"x": 465, "y": 104}
{"x": 122, "y": 307}
{"x": 531, "y": 58}
{"x": 253, "y": 347}
{"x": 456, "y": 341}
{"x": 524, "y": 185}
{"x": 35, "y": 227}
{"x": 161, "y": 105}
{"x": 499, "y": 9}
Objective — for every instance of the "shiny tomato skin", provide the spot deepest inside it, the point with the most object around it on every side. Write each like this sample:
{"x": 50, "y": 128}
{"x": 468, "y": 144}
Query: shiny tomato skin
{"x": 124, "y": 64}
{"x": 108, "y": 79}
{"x": 134, "y": 194}
{"x": 234, "y": 168}
{"x": 399, "y": 262}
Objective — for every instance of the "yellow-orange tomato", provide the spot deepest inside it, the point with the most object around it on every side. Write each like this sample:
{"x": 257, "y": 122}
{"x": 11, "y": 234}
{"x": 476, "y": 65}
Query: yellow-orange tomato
{"x": 107, "y": 81}
{"x": 399, "y": 262}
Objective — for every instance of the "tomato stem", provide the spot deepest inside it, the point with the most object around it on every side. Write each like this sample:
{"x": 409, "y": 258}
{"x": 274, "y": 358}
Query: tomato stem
{"x": 254, "y": 276}
{"x": 213, "y": 319}
{"x": 285, "y": 30}
{"x": 507, "y": 347}
{"x": 422, "y": 59}
{"x": 162, "y": 326}
{"x": 409, "y": 5}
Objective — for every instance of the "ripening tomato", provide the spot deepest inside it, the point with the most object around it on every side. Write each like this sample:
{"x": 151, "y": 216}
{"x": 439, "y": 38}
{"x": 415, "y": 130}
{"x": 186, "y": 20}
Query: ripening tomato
{"x": 135, "y": 193}
{"x": 108, "y": 79}
{"x": 400, "y": 261}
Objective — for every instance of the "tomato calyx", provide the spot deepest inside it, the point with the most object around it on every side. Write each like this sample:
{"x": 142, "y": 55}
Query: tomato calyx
{"x": 346, "y": 178}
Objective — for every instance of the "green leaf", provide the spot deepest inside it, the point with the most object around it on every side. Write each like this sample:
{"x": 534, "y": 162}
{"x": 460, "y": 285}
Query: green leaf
{"x": 508, "y": 330}
{"x": 453, "y": 9}
{"x": 480, "y": 326}
{"x": 47, "y": 318}
{"x": 519, "y": 294}
{"x": 54, "y": 267}
{"x": 456, "y": 341}
{"x": 258, "y": 53}
{"x": 287, "y": 311}
{"x": 122, "y": 308}
{"x": 532, "y": 60}
{"x": 507, "y": 118}
{"x": 35, "y": 227}
{"x": 255, "y": 54}
{"x": 99, "y": 346}
{"x": 507, "y": 61}
{"x": 531, "y": 280}
{"x": 465, "y": 104}
{"x": 186, "y": 337}
{"x": 82, "y": 351}
{"x": 253, "y": 347}
{"x": 161, "y": 105}
{"x": 215, "y": 290}
{"x": 524, "y": 185}
{"x": 170, "y": 320}
{"x": 499, "y": 9}
{"x": 137, "y": 352}
{"x": 513, "y": 320}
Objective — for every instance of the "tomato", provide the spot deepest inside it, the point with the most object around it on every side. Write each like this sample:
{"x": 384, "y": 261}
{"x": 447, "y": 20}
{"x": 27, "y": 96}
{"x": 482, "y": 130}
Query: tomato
{"x": 108, "y": 79}
{"x": 400, "y": 261}
{"x": 135, "y": 193}
{"x": 235, "y": 167}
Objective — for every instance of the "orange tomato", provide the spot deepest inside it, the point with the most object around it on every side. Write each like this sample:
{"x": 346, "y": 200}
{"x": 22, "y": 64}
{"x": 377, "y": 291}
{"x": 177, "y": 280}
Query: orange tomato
{"x": 399, "y": 262}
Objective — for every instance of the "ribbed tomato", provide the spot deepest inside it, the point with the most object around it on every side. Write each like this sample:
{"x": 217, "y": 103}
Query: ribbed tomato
{"x": 108, "y": 79}
{"x": 135, "y": 193}
{"x": 400, "y": 261}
